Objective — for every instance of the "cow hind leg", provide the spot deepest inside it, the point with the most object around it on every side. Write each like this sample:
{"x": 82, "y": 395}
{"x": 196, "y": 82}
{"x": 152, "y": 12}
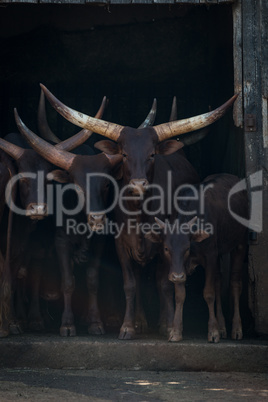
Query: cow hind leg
{"x": 237, "y": 259}
{"x": 209, "y": 296}
{"x": 35, "y": 320}
{"x": 219, "y": 315}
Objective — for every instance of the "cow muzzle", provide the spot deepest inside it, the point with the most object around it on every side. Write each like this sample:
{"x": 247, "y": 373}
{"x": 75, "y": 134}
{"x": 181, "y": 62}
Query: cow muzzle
{"x": 51, "y": 295}
{"x": 36, "y": 211}
{"x": 177, "y": 278}
{"x": 138, "y": 186}
{"x": 96, "y": 221}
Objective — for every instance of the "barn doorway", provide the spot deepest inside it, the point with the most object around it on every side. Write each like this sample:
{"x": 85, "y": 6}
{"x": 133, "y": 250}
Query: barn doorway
{"x": 131, "y": 54}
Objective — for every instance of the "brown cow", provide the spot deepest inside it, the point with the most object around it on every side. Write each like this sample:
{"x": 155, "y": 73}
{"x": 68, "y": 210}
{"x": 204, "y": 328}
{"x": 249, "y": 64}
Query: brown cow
{"x": 202, "y": 239}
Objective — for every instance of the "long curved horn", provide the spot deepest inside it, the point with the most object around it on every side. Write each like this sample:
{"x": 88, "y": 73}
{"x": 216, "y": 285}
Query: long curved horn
{"x": 83, "y": 135}
{"x": 190, "y": 139}
{"x": 13, "y": 150}
{"x": 178, "y": 127}
{"x": 72, "y": 142}
{"x": 149, "y": 121}
{"x": 109, "y": 130}
{"x": 173, "y": 113}
{"x": 55, "y": 156}
{"x": 42, "y": 123}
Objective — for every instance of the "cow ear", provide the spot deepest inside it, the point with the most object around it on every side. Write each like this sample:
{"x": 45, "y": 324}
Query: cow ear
{"x": 199, "y": 236}
{"x": 60, "y": 176}
{"x": 169, "y": 147}
{"x": 153, "y": 237}
{"x": 108, "y": 147}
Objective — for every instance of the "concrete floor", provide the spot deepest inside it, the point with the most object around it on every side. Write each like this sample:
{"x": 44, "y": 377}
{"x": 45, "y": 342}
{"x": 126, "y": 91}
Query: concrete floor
{"x": 147, "y": 352}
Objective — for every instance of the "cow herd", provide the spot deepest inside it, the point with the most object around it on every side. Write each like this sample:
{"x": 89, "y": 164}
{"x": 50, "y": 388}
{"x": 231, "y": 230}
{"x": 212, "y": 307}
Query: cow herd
{"x": 59, "y": 200}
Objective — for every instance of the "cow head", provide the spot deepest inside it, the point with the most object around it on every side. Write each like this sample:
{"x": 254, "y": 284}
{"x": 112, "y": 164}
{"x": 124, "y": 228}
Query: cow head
{"x": 28, "y": 163}
{"x": 138, "y": 147}
{"x": 176, "y": 246}
{"x": 75, "y": 170}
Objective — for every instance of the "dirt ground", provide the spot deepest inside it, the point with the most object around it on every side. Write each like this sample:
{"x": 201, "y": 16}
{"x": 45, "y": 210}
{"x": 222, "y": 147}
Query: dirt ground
{"x": 97, "y": 385}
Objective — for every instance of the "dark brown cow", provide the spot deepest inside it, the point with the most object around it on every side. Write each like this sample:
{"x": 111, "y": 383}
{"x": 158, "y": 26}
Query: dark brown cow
{"x": 147, "y": 158}
{"x": 202, "y": 239}
{"x": 26, "y": 161}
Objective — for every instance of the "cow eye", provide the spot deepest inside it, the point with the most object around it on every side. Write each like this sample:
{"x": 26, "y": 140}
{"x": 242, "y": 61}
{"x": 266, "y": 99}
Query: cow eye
{"x": 166, "y": 249}
{"x": 152, "y": 155}
{"x": 124, "y": 155}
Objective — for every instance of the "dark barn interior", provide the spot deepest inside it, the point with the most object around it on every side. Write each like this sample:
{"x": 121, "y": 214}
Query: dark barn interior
{"x": 131, "y": 54}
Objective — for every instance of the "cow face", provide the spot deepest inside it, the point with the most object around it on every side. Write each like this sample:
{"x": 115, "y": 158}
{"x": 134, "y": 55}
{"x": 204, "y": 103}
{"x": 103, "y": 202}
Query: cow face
{"x": 32, "y": 195}
{"x": 138, "y": 148}
{"x": 176, "y": 245}
{"x": 31, "y": 188}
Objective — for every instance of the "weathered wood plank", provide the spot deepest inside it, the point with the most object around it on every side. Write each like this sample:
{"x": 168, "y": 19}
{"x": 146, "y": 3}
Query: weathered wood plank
{"x": 237, "y": 55}
{"x": 256, "y": 157}
{"x": 61, "y": 2}
{"x": 18, "y": 1}
{"x": 119, "y": 1}
{"x": 208, "y": 1}
{"x": 265, "y": 121}
{"x": 264, "y": 46}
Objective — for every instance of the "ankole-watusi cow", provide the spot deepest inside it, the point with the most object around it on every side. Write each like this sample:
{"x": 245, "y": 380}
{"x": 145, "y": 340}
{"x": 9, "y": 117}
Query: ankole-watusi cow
{"x": 148, "y": 155}
{"x": 204, "y": 230}
{"x": 68, "y": 245}
{"x": 27, "y": 163}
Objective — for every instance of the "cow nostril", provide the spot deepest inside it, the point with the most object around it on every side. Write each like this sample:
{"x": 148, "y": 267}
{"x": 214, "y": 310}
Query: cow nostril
{"x": 96, "y": 219}
{"x": 177, "y": 278}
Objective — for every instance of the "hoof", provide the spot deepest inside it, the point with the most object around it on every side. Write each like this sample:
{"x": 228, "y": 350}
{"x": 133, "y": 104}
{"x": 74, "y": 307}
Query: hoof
{"x": 96, "y": 329}
{"x": 36, "y": 325}
{"x": 67, "y": 330}
{"x": 237, "y": 334}
{"x": 175, "y": 336}
{"x": 126, "y": 333}
{"x": 214, "y": 336}
{"x": 15, "y": 329}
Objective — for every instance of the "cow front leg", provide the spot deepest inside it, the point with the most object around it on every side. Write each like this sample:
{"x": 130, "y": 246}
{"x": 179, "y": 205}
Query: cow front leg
{"x": 127, "y": 330}
{"x": 141, "y": 325}
{"x": 166, "y": 292}
{"x": 95, "y": 325}
{"x": 209, "y": 296}
{"x": 237, "y": 259}
{"x": 177, "y": 328}
{"x": 67, "y": 284}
